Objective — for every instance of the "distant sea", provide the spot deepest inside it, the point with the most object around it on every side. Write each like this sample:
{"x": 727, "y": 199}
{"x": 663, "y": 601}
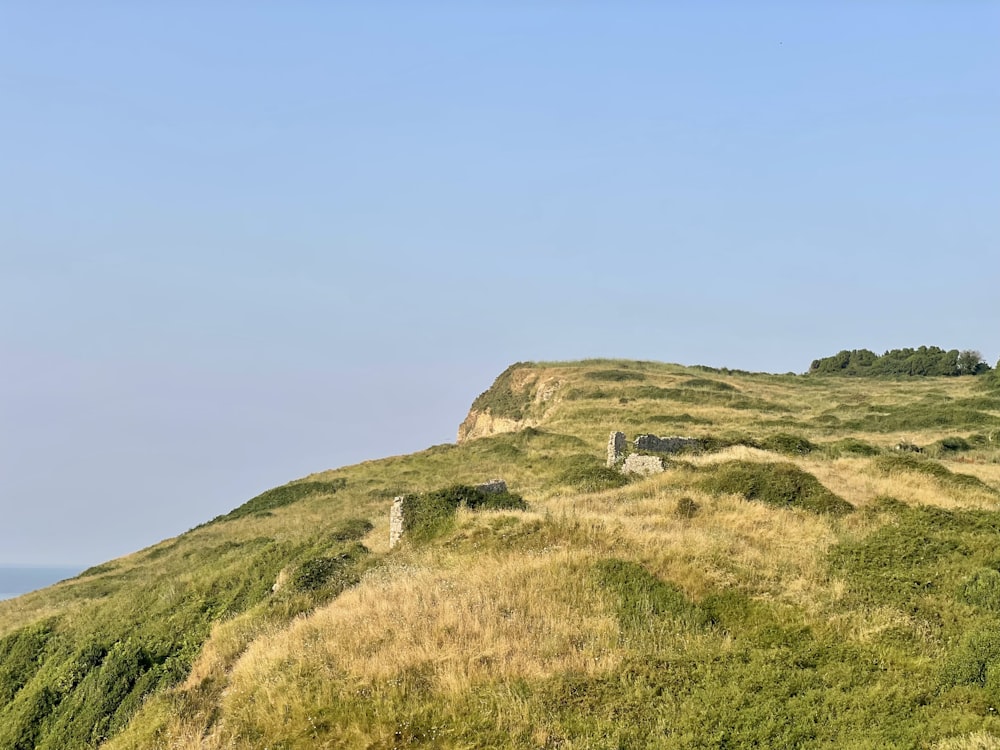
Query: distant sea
{"x": 20, "y": 579}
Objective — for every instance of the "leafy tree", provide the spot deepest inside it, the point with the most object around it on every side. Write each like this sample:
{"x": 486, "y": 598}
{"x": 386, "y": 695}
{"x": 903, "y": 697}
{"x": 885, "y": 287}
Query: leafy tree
{"x": 970, "y": 362}
{"x": 926, "y": 361}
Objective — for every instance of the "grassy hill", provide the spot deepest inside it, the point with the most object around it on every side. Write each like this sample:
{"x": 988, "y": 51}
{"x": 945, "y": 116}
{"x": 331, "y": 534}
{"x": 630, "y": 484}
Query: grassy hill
{"x": 793, "y": 580}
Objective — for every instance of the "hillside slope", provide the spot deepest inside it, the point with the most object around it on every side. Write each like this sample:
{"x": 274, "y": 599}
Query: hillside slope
{"x": 791, "y": 579}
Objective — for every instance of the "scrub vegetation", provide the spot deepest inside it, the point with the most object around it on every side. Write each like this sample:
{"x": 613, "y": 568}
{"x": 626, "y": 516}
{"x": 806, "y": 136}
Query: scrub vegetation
{"x": 795, "y": 579}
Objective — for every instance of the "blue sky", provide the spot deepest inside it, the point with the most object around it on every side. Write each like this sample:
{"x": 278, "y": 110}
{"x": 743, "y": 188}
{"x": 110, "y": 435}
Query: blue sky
{"x": 240, "y": 242}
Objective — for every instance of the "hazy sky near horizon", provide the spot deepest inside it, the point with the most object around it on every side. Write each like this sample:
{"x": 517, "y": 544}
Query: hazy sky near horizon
{"x": 241, "y": 242}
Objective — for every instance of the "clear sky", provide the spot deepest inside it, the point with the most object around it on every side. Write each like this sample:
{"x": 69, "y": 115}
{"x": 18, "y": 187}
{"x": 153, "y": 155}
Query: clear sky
{"x": 241, "y": 242}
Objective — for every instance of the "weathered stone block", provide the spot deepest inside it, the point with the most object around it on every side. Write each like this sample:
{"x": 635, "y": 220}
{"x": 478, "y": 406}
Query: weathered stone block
{"x": 495, "y": 486}
{"x": 642, "y": 465}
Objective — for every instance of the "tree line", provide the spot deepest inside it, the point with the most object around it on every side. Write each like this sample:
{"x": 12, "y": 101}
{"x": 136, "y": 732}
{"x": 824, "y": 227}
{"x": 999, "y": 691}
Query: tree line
{"x": 923, "y": 361}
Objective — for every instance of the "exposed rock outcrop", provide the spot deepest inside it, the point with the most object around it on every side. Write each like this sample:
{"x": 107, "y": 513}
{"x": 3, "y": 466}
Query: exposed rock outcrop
{"x": 482, "y": 423}
{"x": 517, "y": 400}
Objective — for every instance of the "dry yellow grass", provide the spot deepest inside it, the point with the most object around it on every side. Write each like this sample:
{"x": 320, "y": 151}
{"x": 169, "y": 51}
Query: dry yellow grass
{"x": 468, "y": 620}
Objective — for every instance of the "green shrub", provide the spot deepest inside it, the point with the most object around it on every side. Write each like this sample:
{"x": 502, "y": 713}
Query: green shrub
{"x": 352, "y": 529}
{"x": 781, "y": 485}
{"x": 975, "y": 661}
{"x": 21, "y": 654}
{"x": 712, "y": 385}
{"x": 589, "y": 474}
{"x": 677, "y": 419}
{"x": 282, "y": 496}
{"x": 851, "y": 447}
{"x": 922, "y": 560}
{"x": 614, "y": 376}
{"x": 983, "y": 590}
{"x": 790, "y": 445}
{"x": 713, "y": 443}
{"x": 910, "y": 462}
{"x": 428, "y": 514}
{"x": 948, "y": 445}
{"x": 686, "y": 508}
{"x": 338, "y": 570}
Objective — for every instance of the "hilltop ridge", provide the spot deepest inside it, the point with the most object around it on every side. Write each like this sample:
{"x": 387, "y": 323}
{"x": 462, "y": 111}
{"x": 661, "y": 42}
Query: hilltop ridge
{"x": 815, "y": 568}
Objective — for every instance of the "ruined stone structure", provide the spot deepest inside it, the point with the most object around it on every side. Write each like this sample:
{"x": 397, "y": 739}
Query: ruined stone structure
{"x": 616, "y": 447}
{"x": 395, "y": 522}
{"x": 636, "y": 463}
{"x": 664, "y": 445}
{"x": 495, "y": 486}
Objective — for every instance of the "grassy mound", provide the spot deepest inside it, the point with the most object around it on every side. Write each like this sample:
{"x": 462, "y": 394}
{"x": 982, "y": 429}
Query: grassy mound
{"x": 782, "y": 485}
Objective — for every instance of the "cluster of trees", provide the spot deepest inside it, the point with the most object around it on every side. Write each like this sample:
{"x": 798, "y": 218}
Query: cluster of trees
{"x": 926, "y": 360}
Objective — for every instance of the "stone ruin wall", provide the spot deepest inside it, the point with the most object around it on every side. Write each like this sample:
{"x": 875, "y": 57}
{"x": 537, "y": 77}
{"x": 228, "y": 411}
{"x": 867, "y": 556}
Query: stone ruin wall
{"x": 636, "y": 463}
{"x": 664, "y": 445}
{"x": 396, "y": 519}
{"x": 616, "y": 448}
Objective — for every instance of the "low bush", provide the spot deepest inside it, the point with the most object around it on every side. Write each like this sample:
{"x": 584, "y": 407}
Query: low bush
{"x": 910, "y": 462}
{"x": 921, "y": 561}
{"x": 613, "y": 376}
{"x": 677, "y": 419}
{"x": 279, "y": 497}
{"x": 851, "y": 447}
{"x": 982, "y": 590}
{"x": 337, "y": 571}
{"x": 686, "y": 508}
{"x": 780, "y": 485}
{"x": 790, "y": 445}
{"x": 949, "y": 445}
{"x": 352, "y": 529}
{"x": 975, "y": 661}
{"x": 589, "y": 474}
{"x": 428, "y": 514}
{"x": 707, "y": 383}
{"x": 21, "y": 654}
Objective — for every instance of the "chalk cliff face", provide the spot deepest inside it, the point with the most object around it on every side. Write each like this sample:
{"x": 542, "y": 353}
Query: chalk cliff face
{"x": 483, "y": 423}
{"x": 518, "y": 399}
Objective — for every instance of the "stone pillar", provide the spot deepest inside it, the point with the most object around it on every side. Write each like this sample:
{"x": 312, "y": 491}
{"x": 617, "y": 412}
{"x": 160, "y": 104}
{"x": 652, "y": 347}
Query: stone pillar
{"x": 616, "y": 446}
{"x": 395, "y": 522}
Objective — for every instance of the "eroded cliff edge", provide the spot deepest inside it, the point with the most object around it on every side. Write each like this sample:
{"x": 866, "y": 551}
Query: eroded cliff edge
{"x": 518, "y": 398}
